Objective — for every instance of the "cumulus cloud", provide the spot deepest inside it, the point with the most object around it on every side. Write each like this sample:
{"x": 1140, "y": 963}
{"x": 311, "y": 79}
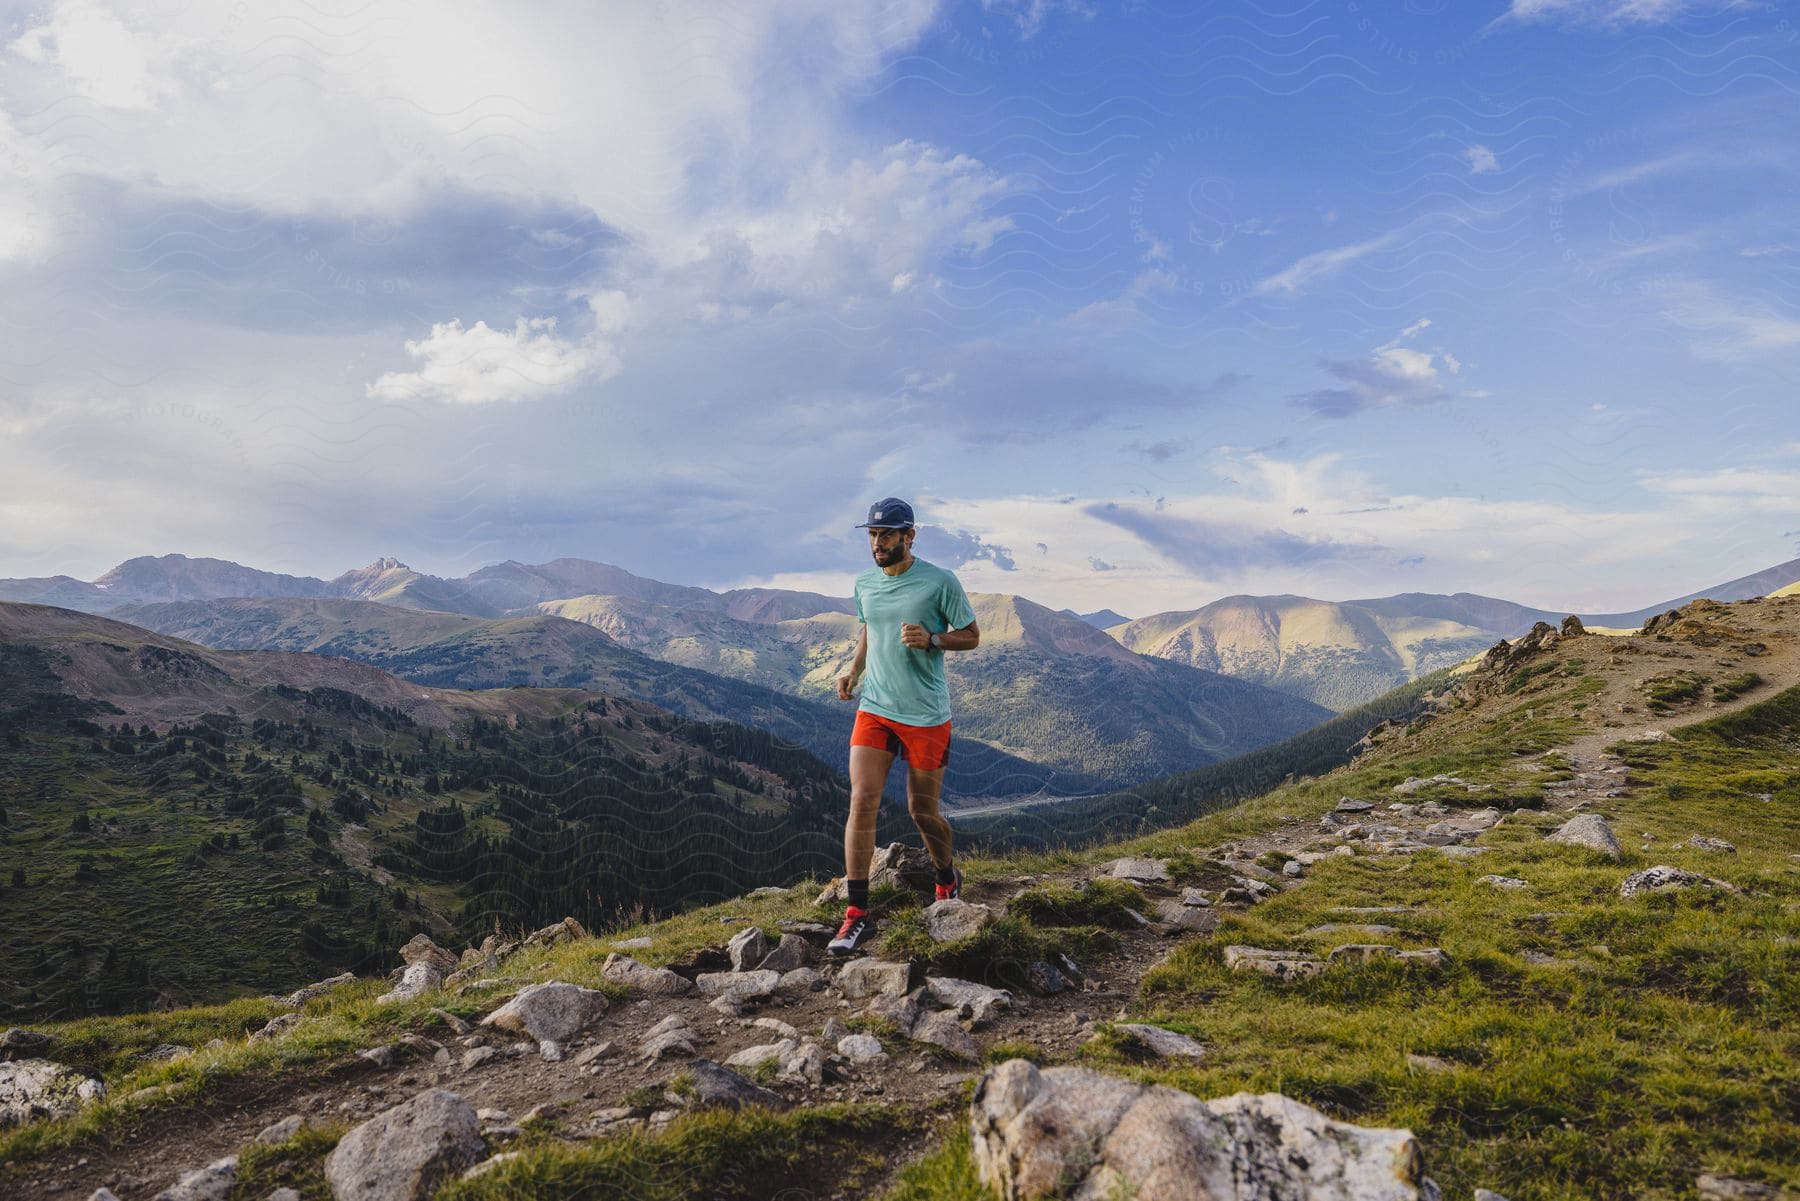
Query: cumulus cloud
{"x": 1393, "y": 376}
{"x": 955, "y": 548}
{"x": 101, "y": 58}
{"x": 1481, "y": 160}
{"x": 480, "y": 365}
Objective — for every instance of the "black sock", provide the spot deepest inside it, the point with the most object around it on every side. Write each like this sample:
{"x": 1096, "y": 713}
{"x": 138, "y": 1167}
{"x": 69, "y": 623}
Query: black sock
{"x": 857, "y": 893}
{"x": 947, "y": 875}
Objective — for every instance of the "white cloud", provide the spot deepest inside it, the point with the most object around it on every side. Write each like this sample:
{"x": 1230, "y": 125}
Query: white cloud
{"x": 1481, "y": 160}
{"x": 480, "y": 365}
{"x": 103, "y": 59}
{"x": 1392, "y": 376}
{"x": 1729, "y": 329}
{"x": 1613, "y": 12}
{"x": 1323, "y": 264}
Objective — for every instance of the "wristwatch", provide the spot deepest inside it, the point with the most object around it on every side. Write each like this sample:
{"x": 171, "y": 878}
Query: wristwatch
{"x": 935, "y": 644}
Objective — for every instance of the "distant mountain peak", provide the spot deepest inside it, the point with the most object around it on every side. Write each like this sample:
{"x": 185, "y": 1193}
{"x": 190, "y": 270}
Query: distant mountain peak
{"x": 387, "y": 563}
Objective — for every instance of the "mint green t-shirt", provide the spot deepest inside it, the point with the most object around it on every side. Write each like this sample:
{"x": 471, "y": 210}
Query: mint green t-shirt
{"x": 900, "y": 683}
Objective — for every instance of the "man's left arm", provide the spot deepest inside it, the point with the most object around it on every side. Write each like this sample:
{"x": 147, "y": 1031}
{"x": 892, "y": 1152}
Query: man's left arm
{"x": 965, "y": 639}
{"x": 961, "y": 632}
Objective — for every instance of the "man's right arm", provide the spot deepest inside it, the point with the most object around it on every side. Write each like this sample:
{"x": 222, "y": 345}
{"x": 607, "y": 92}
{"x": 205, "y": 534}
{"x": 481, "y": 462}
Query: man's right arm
{"x": 847, "y": 682}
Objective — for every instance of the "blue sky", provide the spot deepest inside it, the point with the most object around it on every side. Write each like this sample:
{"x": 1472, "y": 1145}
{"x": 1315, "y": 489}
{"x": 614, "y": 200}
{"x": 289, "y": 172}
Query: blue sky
{"x": 1141, "y": 305}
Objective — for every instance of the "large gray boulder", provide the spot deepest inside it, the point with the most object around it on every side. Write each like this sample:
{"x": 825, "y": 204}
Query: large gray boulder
{"x": 792, "y": 952}
{"x": 716, "y": 1087}
{"x": 552, "y": 1013}
{"x": 404, "y": 1153}
{"x": 1588, "y": 830}
{"x": 639, "y": 977}
{"x": 1077, "y": 1132}
{"x": 35, "y": 1089}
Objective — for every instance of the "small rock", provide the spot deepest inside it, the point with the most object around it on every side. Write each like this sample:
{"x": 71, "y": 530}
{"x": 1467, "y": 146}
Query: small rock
{"x": 1352, "y": 805}
{"x": 720, "y": 1087}
{"x": 658, "y": 981}
{"x": 1486, "y": 1194}
{"x": 1283, "y": 965}
{"x": 977, "y": 1002}
{"x": 1044, "y": 978}
{"x": 1588, "y": 830}
{"x": 942, "y": 1030}
{"x": 902, "y": 1011}
{"x": 947, "y": 921}
{"x": 564, "y": 931}
{"x": 1663, "y": 878}
{"x": 478, "y": 1056}
{"x": 747, "y": 948}
{"x": 1733, "y": 1188}
{"x": 741, "y": 986}
{"x": 1136, "y": 870}
{"x": 282, "y": 1131}
{"x": 874, "y": 977}
{"x": 800, "y": 979}
{"x": 275, "y": 1027}
{"x": 793, "y": 951}
{"x": 1195, "y": 898}
{"x": 552, "y": 1013}
{"x": 420, "y": 949}
{"x": 1428, "y": 1063}
{"x": 404, "y": 1153}
{"x": 861, "y": 1049}
{"x": 381, "y": 1057}
{"x": 1502, "y": 882}
{"x": 418, "y": 979}
{"x": 211, "y": 1183}
{"x": 456, "y": 1024}
{"x": 1702, "y": 843}
{"x": 1170, "y": 1044}
{"x": 778, "y": 1026}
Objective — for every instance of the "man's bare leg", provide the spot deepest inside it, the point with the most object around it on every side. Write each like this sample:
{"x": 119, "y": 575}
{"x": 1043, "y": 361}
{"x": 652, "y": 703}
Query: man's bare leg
{"x": 922, "y": 791}
{"x": 868, "y": 772}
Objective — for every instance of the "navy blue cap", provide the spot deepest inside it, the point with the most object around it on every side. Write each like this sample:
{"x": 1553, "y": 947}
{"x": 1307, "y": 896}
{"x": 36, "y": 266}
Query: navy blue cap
{"x": 891, "y": 513}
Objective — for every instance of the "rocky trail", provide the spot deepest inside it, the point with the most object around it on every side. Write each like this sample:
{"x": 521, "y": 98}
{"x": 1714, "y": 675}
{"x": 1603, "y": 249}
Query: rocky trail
{"x": 755, "y": 1019}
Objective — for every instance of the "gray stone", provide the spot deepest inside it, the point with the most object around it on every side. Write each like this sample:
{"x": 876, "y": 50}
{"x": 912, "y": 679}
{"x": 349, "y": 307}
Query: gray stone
{"x": 282, "y": 1131}
{"x": 977, "y": 1002}
{"x": 747, "y": 948}
{"x": 1137, "y": 870}
{"x": 404, "y": 1153}
{"x": 793, "y": 951}
{"x": 894, "y": 865}
{"x": 1733, "y": 1188}
{"x": 1512, "y": 882}
{"x": 902, "y": 1011}
{"x": 301, "y": 996}
{"x": 861, "y": 1049}
{"x": 275, "y": 1027}
{"x": 874, "y": 977}
{"x": 1370, "y": 929}
{"x": 1588, "y": 830}
{"x": 751, "y": 1058}
{"x": 633, "y": 944}
{"x": 1465, "y": 825}
{"x": 947, "y": 921}
{"x": 1663, "y": 878}
{"x": 942, "y": 1030}
{"x": 1283, "y": 965}
{"x": 1179, "y": 918}
{"x": 24, "y": 1044}
{"x": 105, "y": 1194}
{"x": 741, "y": 986}
{"x": 420, "y": 949}
{"x": 1488, "y": 1194}
{"x": 658, "y": 981}
{"x": 1073, "y": 1131}
{"x": 211, "y": 1183}
{"x": 34, "y": 1089}
{"x": 780, "y": 1027}
{"x": 552, "y": 1012}
{"x": 476, "y": 1056}
{"x": 285, "y": 1194}
{"x": 1195, "y": 898}
{"x": 566, "y": 930}
{"x": 1045, "y": 978}
{"x": 801, "y": 979}
{"x": 1352, "y": 805}
{"x": 418, "y": 979}
{"x": 679, "y": 1043}
{"x": 1169, "y": 1044}
{"x": 716, "y": 1087}
{"x": 1702, "y": 843}
{"x": 804, "y": 1064}
{"x": 1292, "y": 869}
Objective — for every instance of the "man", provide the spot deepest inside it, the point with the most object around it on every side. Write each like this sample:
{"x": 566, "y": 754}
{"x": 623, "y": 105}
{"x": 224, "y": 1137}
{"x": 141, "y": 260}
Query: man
{"x": 911, "y": 613}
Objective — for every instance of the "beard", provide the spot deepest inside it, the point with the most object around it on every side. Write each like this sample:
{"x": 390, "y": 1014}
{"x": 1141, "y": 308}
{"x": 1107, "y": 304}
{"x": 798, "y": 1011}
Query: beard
{"x": 888, "y": 556}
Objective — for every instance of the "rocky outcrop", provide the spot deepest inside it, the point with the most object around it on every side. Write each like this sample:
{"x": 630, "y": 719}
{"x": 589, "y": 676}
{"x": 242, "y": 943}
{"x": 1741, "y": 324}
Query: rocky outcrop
{"x": 417, "y": 980}
{"x": 657, "y": 981}
{"x": 1073, "y": 1131}
{"x": 214, "y": 1182}
{"x": 947, "y": 921}
{"x": 34, "y": 1089}
{"x": 420, "y": 949}
{"x": 404, "y": 1153}
{"x": 895, "y": 865}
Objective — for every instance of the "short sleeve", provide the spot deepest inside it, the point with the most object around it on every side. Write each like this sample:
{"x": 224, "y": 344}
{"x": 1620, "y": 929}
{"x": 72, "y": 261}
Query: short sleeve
{"x": 953, "y": 602}
{"x": 857, "y": 590}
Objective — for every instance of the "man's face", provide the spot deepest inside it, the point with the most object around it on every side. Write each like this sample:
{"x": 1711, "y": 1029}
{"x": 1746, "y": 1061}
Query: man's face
{"x": 888, "y": 546}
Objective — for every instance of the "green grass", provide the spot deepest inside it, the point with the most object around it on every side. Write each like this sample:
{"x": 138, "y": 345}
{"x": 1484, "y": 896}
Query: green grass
{"x": 1663, "y": 693}
{"x": 1736, "y": 686}
{"x": 749, "y": 1153}
{"x": 1107, "y": 903}
{"x": 946, "y": 1173}
{"x": 297, "y": 1163}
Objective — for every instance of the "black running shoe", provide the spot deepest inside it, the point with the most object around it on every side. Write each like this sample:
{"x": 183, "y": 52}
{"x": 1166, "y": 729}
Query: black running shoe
{"x": 952, "y": 890}
{"x": 850, "y": 935}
